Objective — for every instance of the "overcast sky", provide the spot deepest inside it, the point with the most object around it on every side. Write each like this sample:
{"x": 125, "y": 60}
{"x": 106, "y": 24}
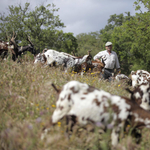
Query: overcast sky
{"x": 80, "y": 16}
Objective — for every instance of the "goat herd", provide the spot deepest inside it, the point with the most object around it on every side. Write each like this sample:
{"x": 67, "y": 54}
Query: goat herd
{"x": 78, "y": 65}
{"x": 84, "y": 104}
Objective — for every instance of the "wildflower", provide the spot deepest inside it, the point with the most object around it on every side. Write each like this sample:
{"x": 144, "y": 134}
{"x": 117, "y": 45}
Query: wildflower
{"x": 42, "y": 124}
{"x": 30, "y": 126}
{"x": 118, "y": 85}
{"x": 37, "y": 108}
{"x": 99, "y": 124}
{"x": 53, "y": 105}
{"x": 48, "y": 108}
{"x": 32, "y": 104}
{"x": 38, "y": 120}
{"x": 59, "y": 124}
{"x": 109, "y": 126}
{"x": 93, "y": 73}
{"x": 41, "y": 113}
{"x": 72, "y": 75}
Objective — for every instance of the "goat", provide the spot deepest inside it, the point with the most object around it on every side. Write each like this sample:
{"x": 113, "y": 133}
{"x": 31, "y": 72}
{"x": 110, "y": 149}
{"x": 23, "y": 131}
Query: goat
{"x": 140, "y": 76}
{"x": 141, "y": 94}
{"x": 6, "y": 46}
{"x": 123, "y": 78}
{"x": 39, "y": 58}
{"x": 120, "y": 77}
{"x": 85, "y": 104}
{"x": 91, "y": 66}
{"x": 15, "y": 49}
{"x": 61, "y": 58}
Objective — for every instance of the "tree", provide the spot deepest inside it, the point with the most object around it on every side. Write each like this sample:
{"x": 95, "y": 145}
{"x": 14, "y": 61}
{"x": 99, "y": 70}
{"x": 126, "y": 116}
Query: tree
{"x": 41, "y": 24}
{"x": 90, "y": 41}
{"x": 146, "y": 4}
{"x": 131, "y": 41}
{"x": 113, "y": 21}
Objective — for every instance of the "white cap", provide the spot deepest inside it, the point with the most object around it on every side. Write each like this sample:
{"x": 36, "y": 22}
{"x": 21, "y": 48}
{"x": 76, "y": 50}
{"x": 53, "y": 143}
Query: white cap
{"x": 108, "y": 43}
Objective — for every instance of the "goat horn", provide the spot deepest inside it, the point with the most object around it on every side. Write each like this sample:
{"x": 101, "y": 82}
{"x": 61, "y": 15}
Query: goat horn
{"x": 57, "y": 90}
{"x": 89, "y": 52}
{"x": 127, "y": 89}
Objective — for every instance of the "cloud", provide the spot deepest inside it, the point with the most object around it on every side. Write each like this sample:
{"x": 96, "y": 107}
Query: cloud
{"x": 81, "y": 16}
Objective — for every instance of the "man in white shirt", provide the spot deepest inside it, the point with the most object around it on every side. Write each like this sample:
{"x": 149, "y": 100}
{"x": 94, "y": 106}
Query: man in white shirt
{"x": 111, "y": 61}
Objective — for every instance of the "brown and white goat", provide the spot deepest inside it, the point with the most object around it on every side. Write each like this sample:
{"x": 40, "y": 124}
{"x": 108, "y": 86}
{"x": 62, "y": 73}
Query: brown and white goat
{"x": 141, "y": 94}
{"x": 85, "y": 104}
{"x": 61, "y": 58}
{"x": 6, "y": 46}
{"x": 140, "y": 76}
{"x": 90, "y": 67}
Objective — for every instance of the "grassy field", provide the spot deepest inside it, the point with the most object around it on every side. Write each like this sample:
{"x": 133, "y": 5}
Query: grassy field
{"x": 27, "y": 101}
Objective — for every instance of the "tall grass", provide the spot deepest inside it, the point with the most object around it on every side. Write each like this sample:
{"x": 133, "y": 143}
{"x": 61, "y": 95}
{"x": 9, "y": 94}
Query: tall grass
{"x": 27, "y": 100}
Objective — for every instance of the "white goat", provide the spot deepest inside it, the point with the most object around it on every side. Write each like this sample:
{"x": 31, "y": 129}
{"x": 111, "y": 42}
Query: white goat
{"x": 85, "y": 104}
{"x": 62, "y": 58}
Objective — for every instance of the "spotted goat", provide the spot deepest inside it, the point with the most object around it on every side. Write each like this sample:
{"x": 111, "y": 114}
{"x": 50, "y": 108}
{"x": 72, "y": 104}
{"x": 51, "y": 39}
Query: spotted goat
{"x": 141, "y": 94}
{"x": 90, "y": 67}
{"x": 85, "y": 104}
{"x": 61, "y": 58}
{"x": 4, "y": 48}
{"x": 140, "y": 76}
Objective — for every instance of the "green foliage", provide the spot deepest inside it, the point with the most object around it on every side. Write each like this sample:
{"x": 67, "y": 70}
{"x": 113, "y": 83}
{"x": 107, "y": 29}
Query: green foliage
{"x": 145, "y": 3}
{"x": 129, "y": 35}
{"x": 90, "y": 41}
{"x": 41, "y": 24}
{"x": 131, "y": 41}
{"x": 113, "y": 21}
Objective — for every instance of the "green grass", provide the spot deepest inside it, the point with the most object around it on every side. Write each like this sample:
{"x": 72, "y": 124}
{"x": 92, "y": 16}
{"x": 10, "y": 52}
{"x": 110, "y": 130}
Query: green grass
{"x": 27, "y": 101}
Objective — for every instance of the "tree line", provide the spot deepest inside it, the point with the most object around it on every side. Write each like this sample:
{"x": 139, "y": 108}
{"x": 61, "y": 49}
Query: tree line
{"x": 129, "y": 34}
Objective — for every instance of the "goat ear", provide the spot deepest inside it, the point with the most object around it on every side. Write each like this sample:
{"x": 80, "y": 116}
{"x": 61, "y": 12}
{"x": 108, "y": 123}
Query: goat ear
{"x": 45, "y": 59}
{"x": 89, "y": 52}
{"x": 127, "y": 89}
{"x": 57, "y": 90}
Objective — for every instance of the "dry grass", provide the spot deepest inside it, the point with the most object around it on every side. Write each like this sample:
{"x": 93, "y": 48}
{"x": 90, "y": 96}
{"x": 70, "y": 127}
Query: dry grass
{"x": 27, "y": 100}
